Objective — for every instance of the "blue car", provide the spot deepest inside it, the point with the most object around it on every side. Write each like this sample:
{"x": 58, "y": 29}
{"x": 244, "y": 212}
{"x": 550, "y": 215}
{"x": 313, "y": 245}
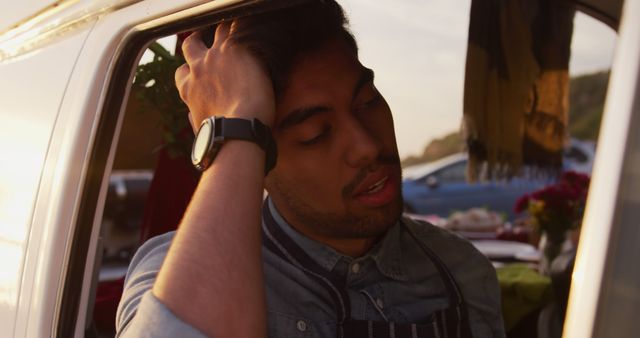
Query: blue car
{"x": 440, "y": 187}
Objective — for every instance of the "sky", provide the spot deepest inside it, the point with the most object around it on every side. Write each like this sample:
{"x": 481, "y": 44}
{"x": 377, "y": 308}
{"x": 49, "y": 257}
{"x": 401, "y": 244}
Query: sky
{"x": 418, "y": 48}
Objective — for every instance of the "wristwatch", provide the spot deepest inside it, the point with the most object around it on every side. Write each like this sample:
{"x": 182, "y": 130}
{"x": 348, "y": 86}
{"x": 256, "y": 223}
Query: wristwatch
{"x": 216, "y": 130}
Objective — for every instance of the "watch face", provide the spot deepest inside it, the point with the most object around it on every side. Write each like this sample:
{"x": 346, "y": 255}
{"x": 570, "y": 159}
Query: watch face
{"x": 201, "y": 144}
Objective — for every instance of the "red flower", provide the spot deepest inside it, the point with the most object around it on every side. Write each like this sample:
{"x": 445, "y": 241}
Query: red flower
{"x": 575, "y": 179}
{"x": 559, "y": 205}
{"x": 521, "y": 204}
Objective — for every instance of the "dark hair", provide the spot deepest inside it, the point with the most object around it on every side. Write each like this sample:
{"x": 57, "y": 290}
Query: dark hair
{"x": 278, "y": 38}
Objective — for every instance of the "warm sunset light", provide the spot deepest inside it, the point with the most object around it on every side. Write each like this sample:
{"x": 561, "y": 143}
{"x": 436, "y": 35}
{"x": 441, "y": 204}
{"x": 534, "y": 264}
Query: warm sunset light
{"x": 418, "y": 50}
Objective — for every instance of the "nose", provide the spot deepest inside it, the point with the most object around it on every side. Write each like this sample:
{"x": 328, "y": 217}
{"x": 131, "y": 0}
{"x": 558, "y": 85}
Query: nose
{"x": 362, "y": 147}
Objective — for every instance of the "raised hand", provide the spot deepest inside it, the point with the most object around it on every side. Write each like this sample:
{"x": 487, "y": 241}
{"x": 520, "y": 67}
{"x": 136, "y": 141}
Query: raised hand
{"x": 224, "y": 80}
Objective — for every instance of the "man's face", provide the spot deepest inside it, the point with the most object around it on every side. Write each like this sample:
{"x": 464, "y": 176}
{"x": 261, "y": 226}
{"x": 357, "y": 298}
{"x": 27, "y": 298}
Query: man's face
{"x": 338, "y": 171}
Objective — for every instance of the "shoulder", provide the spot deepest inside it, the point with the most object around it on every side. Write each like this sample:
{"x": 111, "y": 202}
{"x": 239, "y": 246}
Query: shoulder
{"x": 446, "y": 244}
{"x": 473, "y": 272}
{"x": 141, "y": 274}
{"x": 152, "y": 251}
{"x": 147, "y": 261}
{"x": 459, "y": 255}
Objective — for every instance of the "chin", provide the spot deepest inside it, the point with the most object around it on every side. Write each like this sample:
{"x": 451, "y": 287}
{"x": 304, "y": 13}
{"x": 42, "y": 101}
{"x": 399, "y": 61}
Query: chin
{"x": 350, "y": 222}
{"x": 370, "y": 223}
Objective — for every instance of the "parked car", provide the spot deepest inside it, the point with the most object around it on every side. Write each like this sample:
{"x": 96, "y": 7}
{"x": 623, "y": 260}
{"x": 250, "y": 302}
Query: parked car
{"x": 579, "y": 156}
{"x": 441, "y": 187}
{"x": 66, "y": 69}
{"x": 123, "y": 214}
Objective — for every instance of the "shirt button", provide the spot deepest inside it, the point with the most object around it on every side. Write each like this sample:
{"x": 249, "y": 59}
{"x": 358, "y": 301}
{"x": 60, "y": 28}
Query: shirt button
{"x": 355, "y": 267}
{"x": 380, "y": 303}
{"x": 301, "y": 325}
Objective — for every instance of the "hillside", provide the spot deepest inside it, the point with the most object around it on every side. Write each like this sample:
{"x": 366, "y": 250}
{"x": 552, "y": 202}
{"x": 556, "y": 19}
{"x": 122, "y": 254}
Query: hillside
{"x": 587, "y": 95}
{"x": 438, "y": 148}
{"x": 586, "y": 103}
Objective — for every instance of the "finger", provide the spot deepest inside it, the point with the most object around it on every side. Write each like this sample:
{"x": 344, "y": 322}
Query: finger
{"x": 193, "y": 48}
{"x": 181, "y": 73}
{"x": 181, "y": 77}
{"x": 222, "y": 33}
{"x": 235, "y": 25}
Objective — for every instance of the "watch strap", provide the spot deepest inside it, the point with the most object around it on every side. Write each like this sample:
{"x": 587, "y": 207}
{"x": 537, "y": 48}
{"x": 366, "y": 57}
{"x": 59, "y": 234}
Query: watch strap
{"x": 250, "y": 130}
{"x": 241, "y": 129}
{"x": 227, "y": 128}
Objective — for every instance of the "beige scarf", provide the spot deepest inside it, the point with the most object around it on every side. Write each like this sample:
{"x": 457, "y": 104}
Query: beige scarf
{"x": 517, "y": 87}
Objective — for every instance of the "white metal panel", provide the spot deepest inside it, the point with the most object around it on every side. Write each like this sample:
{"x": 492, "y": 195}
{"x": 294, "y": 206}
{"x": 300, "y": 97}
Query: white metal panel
{"x": 596, "y": 239}
{"x": 12, "y": 12}
{"x": 52, "y": 24}
{"x": 67, "y": 159}
{"x": 31, "y": 91}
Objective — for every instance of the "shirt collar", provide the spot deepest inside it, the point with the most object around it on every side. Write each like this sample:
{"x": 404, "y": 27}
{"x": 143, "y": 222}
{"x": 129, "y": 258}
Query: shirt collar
{"x": 325, "y": 256}
{"x": 387, "y": 253}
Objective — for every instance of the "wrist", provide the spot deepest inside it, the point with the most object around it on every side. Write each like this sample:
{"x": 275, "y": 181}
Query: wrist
{"x": 214, "y": 132}
{"x": 266, "y": 120}
{"x": 263, "y": 112}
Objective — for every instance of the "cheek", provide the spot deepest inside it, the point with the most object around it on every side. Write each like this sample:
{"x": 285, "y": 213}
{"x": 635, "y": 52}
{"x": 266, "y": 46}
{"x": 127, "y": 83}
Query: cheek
{"x": 302, "y": 170}
{"x": 387, "y": 118}
{"x": 381, "y": 125}
{"x": 311, "y": 175}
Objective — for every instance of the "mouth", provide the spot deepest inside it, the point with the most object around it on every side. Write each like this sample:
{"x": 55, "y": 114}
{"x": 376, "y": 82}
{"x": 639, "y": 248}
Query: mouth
{"x": 374, "y": 188}
{"x": 378, "y": 189}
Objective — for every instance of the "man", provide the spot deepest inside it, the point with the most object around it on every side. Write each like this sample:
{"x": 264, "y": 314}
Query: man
{"x": 328, "y": 254}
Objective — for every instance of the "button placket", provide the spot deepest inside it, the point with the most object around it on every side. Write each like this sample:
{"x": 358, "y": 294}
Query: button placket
{"x": 375, "y": 302}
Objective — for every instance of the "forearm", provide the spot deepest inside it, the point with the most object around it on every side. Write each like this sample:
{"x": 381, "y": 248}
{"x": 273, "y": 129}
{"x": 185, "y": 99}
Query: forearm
{"x": 212, "y": 276}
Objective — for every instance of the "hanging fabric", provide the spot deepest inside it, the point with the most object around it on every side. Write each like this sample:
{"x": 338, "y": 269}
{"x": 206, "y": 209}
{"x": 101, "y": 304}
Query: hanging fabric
{"x": 516, "y": 86}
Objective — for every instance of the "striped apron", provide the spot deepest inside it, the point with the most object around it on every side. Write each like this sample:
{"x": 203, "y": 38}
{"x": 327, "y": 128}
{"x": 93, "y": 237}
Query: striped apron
{"x": 451, "y": 322}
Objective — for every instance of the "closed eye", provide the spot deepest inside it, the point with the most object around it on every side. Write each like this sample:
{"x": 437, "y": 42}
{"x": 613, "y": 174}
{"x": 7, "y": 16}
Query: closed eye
{"x": 316, "y": 139}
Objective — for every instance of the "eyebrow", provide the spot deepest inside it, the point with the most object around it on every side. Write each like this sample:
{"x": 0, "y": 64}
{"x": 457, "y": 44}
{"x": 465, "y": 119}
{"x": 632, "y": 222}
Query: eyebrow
{"x": 298, "y": 116}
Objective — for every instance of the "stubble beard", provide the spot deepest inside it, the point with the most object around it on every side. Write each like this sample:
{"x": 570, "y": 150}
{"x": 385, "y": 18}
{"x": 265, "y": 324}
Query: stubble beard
{"x": 350, "y": 224}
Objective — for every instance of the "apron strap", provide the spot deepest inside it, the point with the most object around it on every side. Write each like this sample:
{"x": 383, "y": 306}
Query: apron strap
{"x": 455, "y": 295}
{"x": 277, "y": 241}
{"x": 455, "y": 319}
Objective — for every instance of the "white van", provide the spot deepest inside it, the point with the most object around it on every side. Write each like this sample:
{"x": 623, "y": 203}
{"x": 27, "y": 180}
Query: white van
{"x": 66, "y": 69}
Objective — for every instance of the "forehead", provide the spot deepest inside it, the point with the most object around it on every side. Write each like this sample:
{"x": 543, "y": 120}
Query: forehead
{"x": 330, "y": 71}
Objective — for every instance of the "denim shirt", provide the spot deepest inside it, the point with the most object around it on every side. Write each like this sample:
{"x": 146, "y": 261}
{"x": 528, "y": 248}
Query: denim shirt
{"x": 394, "y": 281}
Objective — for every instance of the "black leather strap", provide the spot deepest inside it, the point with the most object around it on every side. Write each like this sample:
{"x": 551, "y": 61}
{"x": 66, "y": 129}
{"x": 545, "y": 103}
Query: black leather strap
{"x": 248, "y": 130}
{"x": 239, "y": 129}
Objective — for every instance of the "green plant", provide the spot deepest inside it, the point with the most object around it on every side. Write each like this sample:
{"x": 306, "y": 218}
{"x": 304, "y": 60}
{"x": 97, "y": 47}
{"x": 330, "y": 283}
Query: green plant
{"x": 156, "y": 91}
